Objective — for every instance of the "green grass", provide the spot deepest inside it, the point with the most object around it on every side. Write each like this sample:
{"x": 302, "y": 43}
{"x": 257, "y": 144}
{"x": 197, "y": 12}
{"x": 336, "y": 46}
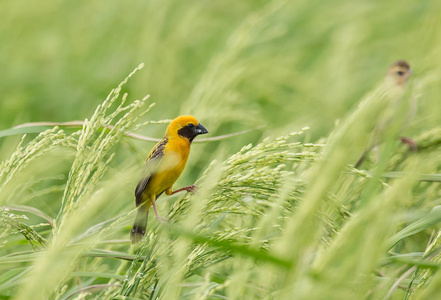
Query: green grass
{"x": 280, "y": 212}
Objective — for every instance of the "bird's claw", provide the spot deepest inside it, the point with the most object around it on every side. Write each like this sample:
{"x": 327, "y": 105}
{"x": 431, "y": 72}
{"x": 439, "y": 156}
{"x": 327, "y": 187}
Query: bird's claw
{"x": 191, "y": 188}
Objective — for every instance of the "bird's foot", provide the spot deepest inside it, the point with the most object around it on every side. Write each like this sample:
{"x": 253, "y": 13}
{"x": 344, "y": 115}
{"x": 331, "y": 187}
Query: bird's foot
{"x": 191, "y": 188}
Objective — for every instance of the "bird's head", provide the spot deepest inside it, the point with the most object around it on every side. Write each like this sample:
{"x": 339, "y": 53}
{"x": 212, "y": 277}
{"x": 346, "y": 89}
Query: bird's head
{"x": 399, "y": 72}
{"x": 186, "y": 127}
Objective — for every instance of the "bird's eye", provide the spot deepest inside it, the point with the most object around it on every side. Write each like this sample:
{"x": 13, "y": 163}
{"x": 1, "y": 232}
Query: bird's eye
{"x": 190, "y": 125}
{"x": 400, "y": 73}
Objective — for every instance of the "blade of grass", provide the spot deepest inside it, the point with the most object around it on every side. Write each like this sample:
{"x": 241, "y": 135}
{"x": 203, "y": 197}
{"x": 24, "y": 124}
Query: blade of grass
{"x": 12, "y": 277}
{"x": 432, "y": 218}
{"x": 37, "y": 127}
{"x": 31, "y": 210}
{"x": 96, "y": 287}
{"x": 98, "y": 274}
{"x": 230, "y": 246}
{"x": 422, "y": 177}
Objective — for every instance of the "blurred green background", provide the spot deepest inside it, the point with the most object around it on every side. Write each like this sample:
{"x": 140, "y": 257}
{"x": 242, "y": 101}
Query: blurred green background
{"x": 233, "y": 64}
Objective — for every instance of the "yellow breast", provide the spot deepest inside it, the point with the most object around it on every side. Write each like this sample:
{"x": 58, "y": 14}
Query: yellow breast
{"x": 170, "y": 168}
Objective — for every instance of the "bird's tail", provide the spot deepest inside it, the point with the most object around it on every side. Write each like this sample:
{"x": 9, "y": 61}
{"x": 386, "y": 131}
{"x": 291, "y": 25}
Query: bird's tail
{"x": 140, "y": 225}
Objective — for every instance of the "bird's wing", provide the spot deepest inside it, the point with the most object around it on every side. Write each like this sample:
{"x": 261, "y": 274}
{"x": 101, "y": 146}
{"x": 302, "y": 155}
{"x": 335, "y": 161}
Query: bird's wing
{"x": 149, "y": 169}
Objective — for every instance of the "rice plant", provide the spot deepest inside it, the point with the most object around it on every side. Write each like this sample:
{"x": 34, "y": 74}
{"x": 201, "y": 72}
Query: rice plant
{"x": 280, "y": 212}
{"x": 280, "y": 219}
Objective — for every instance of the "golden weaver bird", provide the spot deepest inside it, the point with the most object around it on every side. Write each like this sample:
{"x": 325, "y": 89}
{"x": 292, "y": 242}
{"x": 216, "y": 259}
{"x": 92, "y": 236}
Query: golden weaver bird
{"x": 163, "y": 166}
{"x": 395, "y": 83}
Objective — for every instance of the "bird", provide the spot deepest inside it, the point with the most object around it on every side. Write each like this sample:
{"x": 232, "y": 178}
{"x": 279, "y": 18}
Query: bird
{"x": 398, "y": 73}
{"x": 395, "y": 85}
{"x": 163, "y": 166}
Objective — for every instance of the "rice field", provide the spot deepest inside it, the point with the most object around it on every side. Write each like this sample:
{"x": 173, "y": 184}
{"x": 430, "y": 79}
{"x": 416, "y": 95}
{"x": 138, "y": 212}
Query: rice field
{"x": 292, "y": 94}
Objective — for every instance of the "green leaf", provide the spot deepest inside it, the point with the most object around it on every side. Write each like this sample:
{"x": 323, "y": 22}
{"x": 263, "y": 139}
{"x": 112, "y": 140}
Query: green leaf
{"x": 38, "y": 127}
{"x": 233, "y": 247}
{"x": 20, "y": 258}
{"x": 422, "y": 177}
{"x": 31, "y": 210}
{"x": 416, "y": 262}
{"x": 23, "y": 130}
{"x": 431, "y": 219}
{"x": 12, "y": 277}
{"x": 98, "y": 274}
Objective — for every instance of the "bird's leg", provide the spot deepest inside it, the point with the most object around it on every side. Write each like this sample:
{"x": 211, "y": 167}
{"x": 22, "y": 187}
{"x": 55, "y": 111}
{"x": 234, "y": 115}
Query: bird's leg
{"x": 411, "y": 143}
{"x": 190, "y": 188}
{"x": 158, "y": 218}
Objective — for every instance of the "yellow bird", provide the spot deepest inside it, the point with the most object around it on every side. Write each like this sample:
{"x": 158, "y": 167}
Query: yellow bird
{"x": 164, "y": 165}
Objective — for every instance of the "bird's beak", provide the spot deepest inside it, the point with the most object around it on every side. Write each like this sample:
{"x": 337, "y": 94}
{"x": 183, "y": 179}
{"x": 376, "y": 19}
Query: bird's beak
{"x": 200, "y": 129}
